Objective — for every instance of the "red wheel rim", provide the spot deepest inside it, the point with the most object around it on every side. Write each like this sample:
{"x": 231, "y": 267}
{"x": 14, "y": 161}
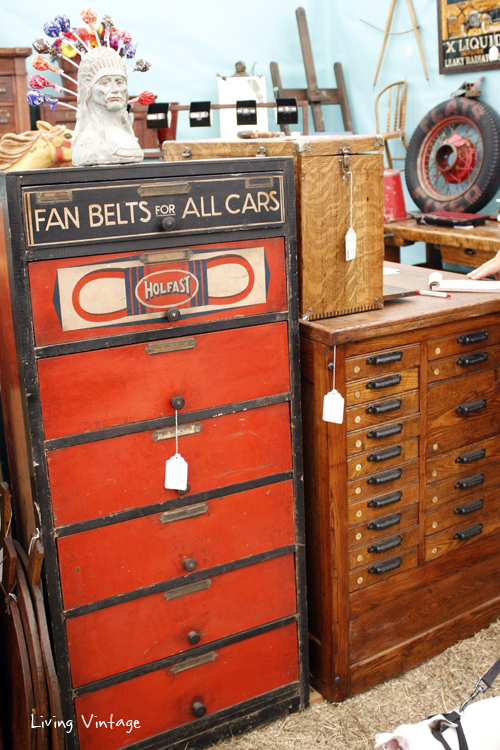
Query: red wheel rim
{"x": 451, "y": 158}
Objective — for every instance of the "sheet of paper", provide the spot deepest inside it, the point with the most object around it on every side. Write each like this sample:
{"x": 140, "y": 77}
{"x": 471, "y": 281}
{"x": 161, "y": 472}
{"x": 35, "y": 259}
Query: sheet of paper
{"x": 437, "y": 283}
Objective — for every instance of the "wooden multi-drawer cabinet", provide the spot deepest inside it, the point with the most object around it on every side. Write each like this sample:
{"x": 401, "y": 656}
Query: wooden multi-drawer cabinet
{"x": 402, "y": 497}
{"x": 14, "y": 107}
{"x": 143, "y": 307}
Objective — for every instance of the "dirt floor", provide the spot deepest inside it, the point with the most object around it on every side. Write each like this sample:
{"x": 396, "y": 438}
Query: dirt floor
{"x": 437, "y": 686}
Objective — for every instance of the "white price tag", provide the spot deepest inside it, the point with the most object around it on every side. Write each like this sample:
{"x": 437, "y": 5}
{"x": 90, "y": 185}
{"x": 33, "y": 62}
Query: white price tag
{"x": 333, "y": 407}
{"x": 176, "y": 473}
{"x": 350, "y": 244}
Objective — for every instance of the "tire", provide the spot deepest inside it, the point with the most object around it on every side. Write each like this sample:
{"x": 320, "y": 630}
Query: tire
{"x": 453, "y": 158}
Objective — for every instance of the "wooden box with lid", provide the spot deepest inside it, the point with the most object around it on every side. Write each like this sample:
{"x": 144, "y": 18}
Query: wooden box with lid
{"x": 402, "y": 498}
{"x": 135, "y": 320}
{"x": 327, "y": 168}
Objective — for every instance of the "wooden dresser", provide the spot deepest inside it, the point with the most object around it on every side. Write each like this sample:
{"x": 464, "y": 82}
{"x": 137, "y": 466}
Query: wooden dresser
{"x": 14, "y": 107}
{"x": 132, "y": 297}
{"x": 403, "y": 497}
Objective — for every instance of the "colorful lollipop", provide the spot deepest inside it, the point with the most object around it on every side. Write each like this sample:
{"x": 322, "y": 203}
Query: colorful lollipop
{"x": 51, "y": 28}
{"x": 41, "y": 46}
{"x": 36, "y": 98}
{"x": 63, "y": 22}
{"x": 129, "y": 50}
{"x": 90, "y": 17}
{"x": 40, "y": 82}
{"x": 40, "y": 63}
{"x": 124, "y": 37}
{"x": 141, "y": 65}
{"x": 147, "y": 97}
{"x": 107, "y": 24}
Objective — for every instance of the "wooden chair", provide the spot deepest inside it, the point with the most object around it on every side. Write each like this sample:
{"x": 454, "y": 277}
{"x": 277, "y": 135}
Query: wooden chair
{"x": 396, "y": 116}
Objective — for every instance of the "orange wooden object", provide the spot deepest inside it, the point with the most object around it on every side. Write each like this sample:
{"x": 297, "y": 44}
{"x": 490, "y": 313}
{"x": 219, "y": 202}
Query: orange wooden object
{"x": 43, "y": 281}
{"x": 160, "y": 700}
{"x": 97, "y": 564}
{"x": 108, "y": 387}
{"x": 156, "y": 626}
{"x": 243, "y": 446}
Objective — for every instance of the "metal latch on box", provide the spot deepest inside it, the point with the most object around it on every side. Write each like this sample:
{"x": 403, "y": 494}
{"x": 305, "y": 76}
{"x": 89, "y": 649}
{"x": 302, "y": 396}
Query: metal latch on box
{"x": 345, "y": 158}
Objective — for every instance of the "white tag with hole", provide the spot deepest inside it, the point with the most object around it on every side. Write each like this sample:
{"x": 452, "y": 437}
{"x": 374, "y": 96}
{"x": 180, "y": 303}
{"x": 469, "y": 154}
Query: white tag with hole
{"x": 350, "y": 244}
{"x": 333, "y": 407}
{"x": 176, "y": 473}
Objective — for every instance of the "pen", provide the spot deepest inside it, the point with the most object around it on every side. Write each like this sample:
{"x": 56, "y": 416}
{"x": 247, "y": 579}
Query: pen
{"x": 426, "y": 293}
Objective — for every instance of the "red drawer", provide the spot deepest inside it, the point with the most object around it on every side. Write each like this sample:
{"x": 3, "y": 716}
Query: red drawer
{"x": 99, "y": 478}
{"x": 108, "y": 387}
{"x": 114, "y": 559}
{"x": 157, "y": 626}
{"x": 161, "y": 700}
{"x": 81, "y": 298}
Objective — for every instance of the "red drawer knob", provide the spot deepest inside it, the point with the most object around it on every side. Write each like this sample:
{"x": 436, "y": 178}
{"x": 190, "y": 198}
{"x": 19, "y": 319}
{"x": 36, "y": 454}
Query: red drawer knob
{"x": 193, "y": 637}
{"x": 199, "y": 709}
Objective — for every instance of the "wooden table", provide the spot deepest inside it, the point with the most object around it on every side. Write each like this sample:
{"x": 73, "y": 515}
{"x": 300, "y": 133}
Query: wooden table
{"x": 468, "y": 247}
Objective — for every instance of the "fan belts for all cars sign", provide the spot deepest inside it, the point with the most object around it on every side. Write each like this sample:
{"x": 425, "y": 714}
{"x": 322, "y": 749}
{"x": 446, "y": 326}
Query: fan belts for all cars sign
{"x": 469, "y": 35}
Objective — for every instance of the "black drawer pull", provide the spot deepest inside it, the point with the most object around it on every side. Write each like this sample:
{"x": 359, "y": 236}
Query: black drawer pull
{"x": 385, "y": 566}
{"x": 381, "y": 502}
{"x": 383, "y": 432}
{"x": 469, "y": 532}
{"x": 472, "y": 359}
{"x": 466, "y": 508}
{"x": 385, "y": 406}
{"x": 472, "y": 338}
{"x": 468, "y": 458}
{"x": 465, "y": 484}
{"x": 385, "y": 359}
{"x": 469, "y": 251}
{"x": 386, "y": 545}
{"x": 384, "y": 382}
{"x": 393, "y": 452}
{"x": 385, "y": 523}
{"x": 471, "y": 406}
{"x": 385, "y": 476}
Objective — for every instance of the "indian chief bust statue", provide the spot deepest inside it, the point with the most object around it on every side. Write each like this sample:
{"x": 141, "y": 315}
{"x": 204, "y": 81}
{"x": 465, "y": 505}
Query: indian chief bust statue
{"x": 103, "y": 132}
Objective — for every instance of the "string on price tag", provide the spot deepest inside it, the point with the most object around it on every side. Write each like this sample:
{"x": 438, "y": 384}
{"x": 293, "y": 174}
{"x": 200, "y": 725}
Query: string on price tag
{"x": 333, "y": 402}
{"x": 350, "y": 238}
{"x": 176, "y": 469}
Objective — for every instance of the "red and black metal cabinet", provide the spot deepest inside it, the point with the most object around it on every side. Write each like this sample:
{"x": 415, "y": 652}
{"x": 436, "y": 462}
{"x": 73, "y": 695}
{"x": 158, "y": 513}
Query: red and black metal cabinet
{"x": 177, "y": 617}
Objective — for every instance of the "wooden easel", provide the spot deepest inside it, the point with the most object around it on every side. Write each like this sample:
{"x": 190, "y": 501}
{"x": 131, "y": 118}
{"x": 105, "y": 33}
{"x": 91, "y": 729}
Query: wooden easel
{"x": 315, "y": 96}
{"x": 415, "y": 29}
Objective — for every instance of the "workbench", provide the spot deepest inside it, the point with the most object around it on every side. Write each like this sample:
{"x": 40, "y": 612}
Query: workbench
{"x": 462, "y": 247}
{"x": 402, "y": 500}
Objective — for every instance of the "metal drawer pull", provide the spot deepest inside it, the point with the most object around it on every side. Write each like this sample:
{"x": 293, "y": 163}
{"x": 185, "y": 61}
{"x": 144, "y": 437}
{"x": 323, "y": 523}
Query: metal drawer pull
{"x": 190, "y": 511}
{"x": 165, "y": 256}
{"x": 469, "y": 533}
{"x": 384, "y": 432}
{"x": 171, "y": 346}
{"x": 172, "y": 188}
{"x": 468, "y": 458}
{"x": 472, "y": 359}
{"x": 192, "y": 588}
{"x": 385, "y": 523}
{"x": 471, "y": 406}
{"x": 196, "y": 662}
{"x": 465, "y": 484}
{"x": 463, "y": 510}
{"x": 198, "y": 709}
{"x": 385, "y": 546}
{"x": 382, "y": 502}
{"x": 385, "y": 566}
{"x": 385, "y": 406}
{"x": 385, "y": 476}
{"x": 385, "y": 359}
{"x": 183, "y": 429}
{"x": 383, "y": 455}
{"x": 472, "y": 338}
{"x": 384, "y": 382}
